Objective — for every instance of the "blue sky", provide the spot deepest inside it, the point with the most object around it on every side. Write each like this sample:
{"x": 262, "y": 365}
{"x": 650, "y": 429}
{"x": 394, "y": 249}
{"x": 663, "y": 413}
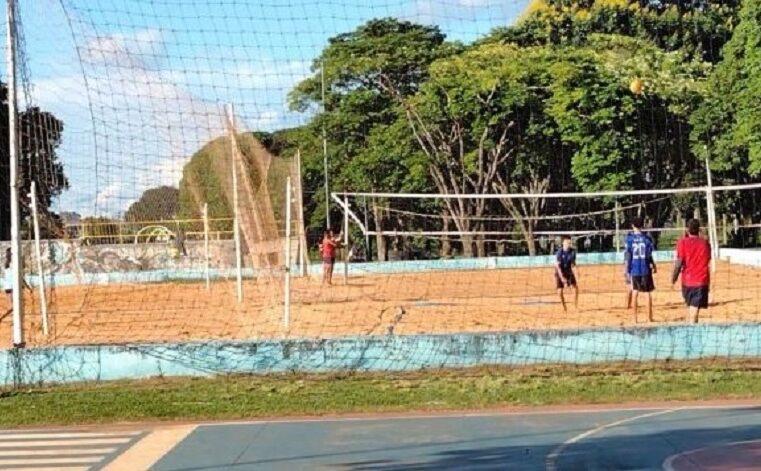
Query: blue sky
{"x": 140, "y": 84}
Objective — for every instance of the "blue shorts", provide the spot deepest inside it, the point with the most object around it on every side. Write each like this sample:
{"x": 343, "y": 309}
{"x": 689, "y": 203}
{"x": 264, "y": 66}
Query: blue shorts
{"x": 570, "y": 280}
{"x": 696, "y": 296}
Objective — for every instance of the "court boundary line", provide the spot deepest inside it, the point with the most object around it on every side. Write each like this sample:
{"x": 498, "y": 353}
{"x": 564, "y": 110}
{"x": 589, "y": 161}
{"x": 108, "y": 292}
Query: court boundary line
{"x": 668, "y": 463}
{"x": 550, "y": 462}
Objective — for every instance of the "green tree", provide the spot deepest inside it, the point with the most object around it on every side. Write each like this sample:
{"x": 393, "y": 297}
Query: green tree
{"x": 156, "y": 204}
{"x": 727, "y": 126}
{"x": 697, "y": 27}
{"x": 624, "y": 140}
{"x": 40, "y": 135}
{"x": 480, "y": 121}
{"x": 366, "y": 71}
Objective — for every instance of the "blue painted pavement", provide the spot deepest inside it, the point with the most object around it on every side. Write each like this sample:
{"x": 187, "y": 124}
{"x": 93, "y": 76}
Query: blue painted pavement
{"x": 609, "y": 439}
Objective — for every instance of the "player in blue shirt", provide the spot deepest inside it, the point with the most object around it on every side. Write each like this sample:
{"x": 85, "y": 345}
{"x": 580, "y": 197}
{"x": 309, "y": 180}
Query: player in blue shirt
{"x": 640, "y": 265}
{"x": 565, "y": 262}
{"x": 627, "y": 277}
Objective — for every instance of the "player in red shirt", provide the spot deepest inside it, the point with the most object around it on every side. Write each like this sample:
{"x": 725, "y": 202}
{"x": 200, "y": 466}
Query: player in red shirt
{"x": 328, "y": 252}
{"x": 693, "y": 260}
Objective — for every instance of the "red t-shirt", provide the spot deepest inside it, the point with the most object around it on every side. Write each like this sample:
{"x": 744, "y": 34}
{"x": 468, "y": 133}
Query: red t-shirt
{"x": 328, "y": 249}
{"x": 695, "y": 254}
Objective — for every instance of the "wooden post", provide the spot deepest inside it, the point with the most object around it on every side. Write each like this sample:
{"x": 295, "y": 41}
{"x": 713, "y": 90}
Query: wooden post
{"x": 618, "y": 227}
{"x": 236, "y": 220}
{"x": 287, "y": 281}
{"x": 206, "y": 244}
{"x": 303, "y": 249}
{"x": 346, "y": 240}
{"x": 40, "y": 268}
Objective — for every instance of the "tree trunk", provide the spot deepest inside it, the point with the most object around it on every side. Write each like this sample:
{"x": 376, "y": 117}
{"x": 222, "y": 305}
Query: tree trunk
{"x": 467, "y": 246}
{"x": 530, "y": 239}
{"x": 380, "y": 240}
{"x": 446, "y": 243}
{"x": 480, "y": 242}
{"x": 526, "y": 212}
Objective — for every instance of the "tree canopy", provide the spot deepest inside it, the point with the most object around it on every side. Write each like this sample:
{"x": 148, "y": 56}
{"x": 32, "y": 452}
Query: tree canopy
{"x": 547, "y": 104}
{"x": 155, "y": 204}
{"x": 699, "y": 28}
{"x": 40, "y": 135}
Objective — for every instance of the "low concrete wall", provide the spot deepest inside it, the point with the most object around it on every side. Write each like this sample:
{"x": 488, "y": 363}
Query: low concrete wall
{"x": 748, "y": 257}
{"x": 485, "y": 263}
{"x": 72, "y": 257}
{"x": 386, "y": 353}
{"x": 69, "y": 263}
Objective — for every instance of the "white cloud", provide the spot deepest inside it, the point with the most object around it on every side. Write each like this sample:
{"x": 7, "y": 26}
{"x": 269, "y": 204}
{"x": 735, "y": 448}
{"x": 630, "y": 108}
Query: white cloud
{"x": 147, "y": 121}
{"x": 264, "y": 74}
{"x": 111, "y": 192}
{"x": 135, "y": 49}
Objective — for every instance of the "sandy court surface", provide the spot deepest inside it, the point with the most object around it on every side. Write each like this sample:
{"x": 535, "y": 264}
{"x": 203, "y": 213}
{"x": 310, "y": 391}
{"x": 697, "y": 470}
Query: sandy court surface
{"x": 410, "y": 303}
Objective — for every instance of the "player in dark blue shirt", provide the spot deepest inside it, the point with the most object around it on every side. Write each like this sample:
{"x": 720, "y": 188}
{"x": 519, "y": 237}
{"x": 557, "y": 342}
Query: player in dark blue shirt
{"x": 627, "y": 277}
{"x": 565, "y": 262}
{"x": 640, "y": 266}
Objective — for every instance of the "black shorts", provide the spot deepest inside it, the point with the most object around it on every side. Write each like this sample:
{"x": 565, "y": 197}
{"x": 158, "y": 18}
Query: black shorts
{"x": 570, "y": 279}
{"x": 329, "y": 260}
{"x": 643, "y": 284}
{"x": 696, "y": 296}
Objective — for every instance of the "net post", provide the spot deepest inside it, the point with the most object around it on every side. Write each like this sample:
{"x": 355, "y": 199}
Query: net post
{"x": 17, "y": 264}
{"x": 724, "y": 228}
{"x": 367, "y": 234}
{"x": 346, "y": 240}
{"x": 325, "y": 148}
{"x": 712, "y": 229}
{"x": 711, "y": 207}
{"x": 38, "y": 254}
{"x": 287, "y": 280}
{"x": 236, "y": 219}
{"x": 618, "y": 226}
{"x": 206, "y": 244}
{"x": 303, "y": 249}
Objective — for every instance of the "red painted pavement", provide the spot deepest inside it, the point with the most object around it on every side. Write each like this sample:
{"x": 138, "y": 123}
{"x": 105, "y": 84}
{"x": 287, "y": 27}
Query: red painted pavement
{"x": 736, "y": 457}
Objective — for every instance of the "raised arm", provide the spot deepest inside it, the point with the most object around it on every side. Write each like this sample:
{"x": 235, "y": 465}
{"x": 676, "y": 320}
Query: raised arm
{"x": 650, "y": 258}
{"x": 627, "y": 255}
{"x": 678, "y": 264}
{"x": 558, "y": 268}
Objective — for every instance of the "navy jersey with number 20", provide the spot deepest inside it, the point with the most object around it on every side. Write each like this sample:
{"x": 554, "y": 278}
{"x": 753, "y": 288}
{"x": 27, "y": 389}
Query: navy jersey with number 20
{"x": 639, "y": 250}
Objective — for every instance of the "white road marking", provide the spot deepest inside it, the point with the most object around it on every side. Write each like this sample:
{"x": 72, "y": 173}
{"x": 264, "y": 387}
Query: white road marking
{"x": 50, "y": 435}
{"x": 55, "y": 451}
{"x": 41, "y": 450}
{"x": 551, "y": 460}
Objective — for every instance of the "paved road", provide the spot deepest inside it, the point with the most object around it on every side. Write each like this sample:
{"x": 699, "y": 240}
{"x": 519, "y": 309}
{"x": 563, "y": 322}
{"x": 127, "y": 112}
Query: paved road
{"x": 679, "y": 438}
{"x": 585, "y": 440}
